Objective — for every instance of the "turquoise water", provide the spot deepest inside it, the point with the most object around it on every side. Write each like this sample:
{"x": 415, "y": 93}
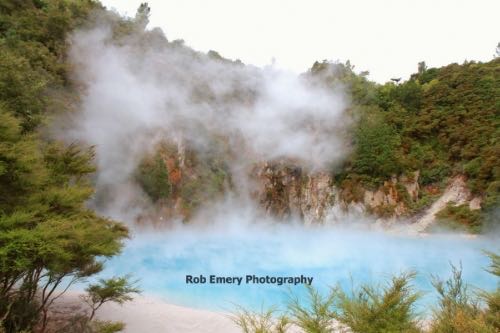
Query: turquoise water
{"x": 162, "y": 259}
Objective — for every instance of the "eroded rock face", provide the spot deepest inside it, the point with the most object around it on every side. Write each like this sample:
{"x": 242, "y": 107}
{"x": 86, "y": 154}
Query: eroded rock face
{"x": 411, "y": 184}
{"x": 387, "y": 200}
{"x": 318, "y": 197}
{"x": 475, "y": 203}
{"x": 286, "y": 191}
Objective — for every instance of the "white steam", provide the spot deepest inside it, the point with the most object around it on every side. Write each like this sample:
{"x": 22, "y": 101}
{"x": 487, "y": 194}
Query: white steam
{"x": 135, "y": 96}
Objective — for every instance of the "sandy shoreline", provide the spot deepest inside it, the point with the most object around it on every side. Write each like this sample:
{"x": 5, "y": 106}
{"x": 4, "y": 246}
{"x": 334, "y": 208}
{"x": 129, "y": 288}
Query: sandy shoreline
{"x": 153, "y": 315}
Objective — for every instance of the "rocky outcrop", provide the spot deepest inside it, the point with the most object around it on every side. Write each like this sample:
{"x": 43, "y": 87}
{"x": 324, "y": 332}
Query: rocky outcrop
{"x": 456, "y": 192}
{"x": 411, "y": 185}
{"x": 318, "y": 197}
{"x": 392, "y": 197}
{"x": 475, "y": 203}
{"x": 386, "y": 200}
{"x": 286, "y": 191}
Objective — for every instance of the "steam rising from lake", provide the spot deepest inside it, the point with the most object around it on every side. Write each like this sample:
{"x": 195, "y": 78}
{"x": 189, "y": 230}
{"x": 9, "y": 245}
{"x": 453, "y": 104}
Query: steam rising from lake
{"x": 140, "y": 91}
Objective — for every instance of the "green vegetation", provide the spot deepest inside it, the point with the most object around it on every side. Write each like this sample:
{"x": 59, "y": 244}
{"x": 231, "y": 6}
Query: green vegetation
{"x": 364, "y": 310}
{"x": 442, "y": 122}
{"x": 385, "y": 309}
{"x": 200, "y": 179}
{"x": 460, "y": 217}
{"x": 80, "y": 323}
{"x": 32, "y": 52}
{"x": 260, "y": 322}
{"x": 152, "y": 175}
{"x": 458, "y": 311}
{"x": 107, "y": 326}
{"x": 372, "y": 310}
{"x": 492, "y": 299}
{"x": 49, "y": 239}
{"x": 317, "y": 316}
{"x": 117, "y": 290}
{"x": 207, "y": 176}
{"x": 376, "y": 148}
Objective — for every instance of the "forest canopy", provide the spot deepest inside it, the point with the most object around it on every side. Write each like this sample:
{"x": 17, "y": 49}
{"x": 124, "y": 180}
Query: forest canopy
{"x": 48, "y": 236}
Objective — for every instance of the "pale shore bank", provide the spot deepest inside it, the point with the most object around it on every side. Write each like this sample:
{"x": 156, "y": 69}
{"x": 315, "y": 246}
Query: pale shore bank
{"x": 154, "y": 315}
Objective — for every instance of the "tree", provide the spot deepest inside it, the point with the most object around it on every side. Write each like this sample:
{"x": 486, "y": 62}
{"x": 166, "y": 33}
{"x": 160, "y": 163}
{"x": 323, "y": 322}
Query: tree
{"x": 377, "y": 146}
{"x": 116, "y": 289}
{"x": 422, "y": 67}
{"x": 142, "y": 15}
{"x": 492, "y": 299}
{"x": 48, "y": 238}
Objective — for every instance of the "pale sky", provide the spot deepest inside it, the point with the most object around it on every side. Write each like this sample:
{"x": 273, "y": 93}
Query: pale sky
{"x": 386, "y": 37}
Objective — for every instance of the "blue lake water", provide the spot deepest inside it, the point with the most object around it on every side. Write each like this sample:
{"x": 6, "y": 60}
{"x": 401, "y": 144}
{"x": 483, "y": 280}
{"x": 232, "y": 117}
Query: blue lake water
{"x": 162, "y": 259}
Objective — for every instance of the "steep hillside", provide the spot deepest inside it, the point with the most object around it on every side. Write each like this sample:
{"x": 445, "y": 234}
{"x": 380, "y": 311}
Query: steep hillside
{"x": 411, "y": 140}
{"x": 442, "y": 122}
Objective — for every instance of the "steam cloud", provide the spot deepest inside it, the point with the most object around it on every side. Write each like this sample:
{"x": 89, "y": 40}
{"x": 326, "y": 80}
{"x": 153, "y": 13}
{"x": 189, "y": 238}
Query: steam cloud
{"x": 139, "y": 93}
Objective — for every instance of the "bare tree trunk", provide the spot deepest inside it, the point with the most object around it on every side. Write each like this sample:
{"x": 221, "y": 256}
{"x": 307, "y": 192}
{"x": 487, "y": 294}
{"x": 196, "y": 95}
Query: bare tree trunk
{"x": 94, "y": 309}
{"x": 92, "y": 314}
{"x": 44, "y": 320}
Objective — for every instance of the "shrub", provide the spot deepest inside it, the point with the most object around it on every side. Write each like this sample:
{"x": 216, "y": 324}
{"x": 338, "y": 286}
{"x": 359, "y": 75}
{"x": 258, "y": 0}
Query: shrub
{"x": 152, "y": 175}
{"x": 316, "y": 316}
{"x": 457, "y": 311}
{"x": 374, "y": 310}
{"x": 260, "y": 322}
{"x": 461, "y": 215}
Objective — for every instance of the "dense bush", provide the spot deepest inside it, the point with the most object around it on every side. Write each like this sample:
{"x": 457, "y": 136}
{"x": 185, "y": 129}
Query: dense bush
{"x": 377, "y": 145}
{"x": 442, "y": 121}
{"x": 260, "y": 322}
{"x": 316, "y": 314}
{"x": 460, "y": 216}
{"x": 152, "y": 175}
{"x": 49, "y": 239}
